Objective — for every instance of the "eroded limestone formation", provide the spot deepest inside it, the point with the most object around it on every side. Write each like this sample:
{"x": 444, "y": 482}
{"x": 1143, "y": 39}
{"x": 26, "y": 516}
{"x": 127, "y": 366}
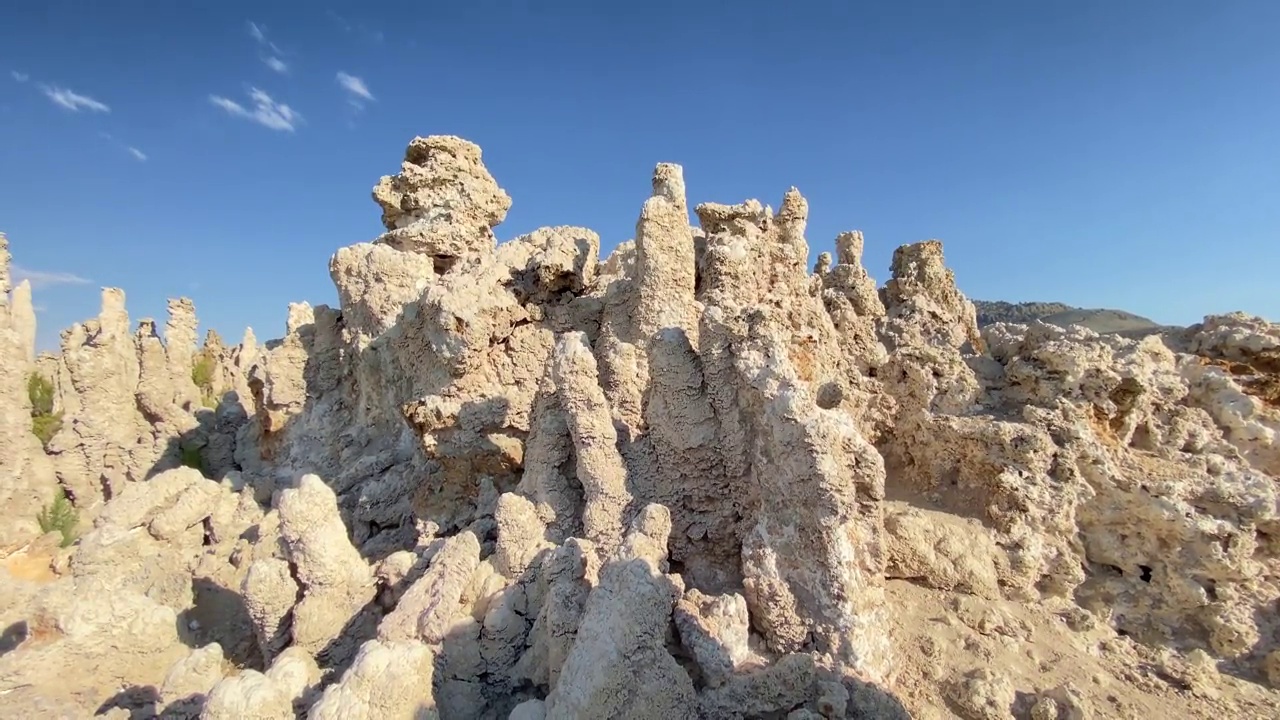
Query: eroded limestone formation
{"x": 691, "y": 479}
{"x": 26, "y": 473}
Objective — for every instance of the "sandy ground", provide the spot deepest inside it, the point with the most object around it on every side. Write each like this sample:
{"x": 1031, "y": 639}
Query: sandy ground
{"x": 946, "y": 641}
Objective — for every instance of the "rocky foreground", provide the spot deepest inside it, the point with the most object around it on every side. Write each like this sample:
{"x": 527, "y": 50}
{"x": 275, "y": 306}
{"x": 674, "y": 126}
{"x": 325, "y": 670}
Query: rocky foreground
{"x": 691, "y": 480}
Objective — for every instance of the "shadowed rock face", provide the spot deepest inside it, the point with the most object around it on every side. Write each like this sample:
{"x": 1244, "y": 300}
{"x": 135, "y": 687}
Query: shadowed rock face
{"x": 687, "y": 480}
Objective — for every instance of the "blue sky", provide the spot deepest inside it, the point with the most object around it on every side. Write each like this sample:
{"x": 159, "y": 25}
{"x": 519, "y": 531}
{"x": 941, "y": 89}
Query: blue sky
{"x": 1113, "y": 154}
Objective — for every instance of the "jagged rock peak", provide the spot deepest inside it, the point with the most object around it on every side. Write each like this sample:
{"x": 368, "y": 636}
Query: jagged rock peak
{"x": 6, "y": 283}
{"x": 922, "y": 296}
{"x": 443, "y": 203}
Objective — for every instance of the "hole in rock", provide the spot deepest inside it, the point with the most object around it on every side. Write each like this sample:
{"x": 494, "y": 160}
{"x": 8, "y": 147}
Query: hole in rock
{"x": 1210, "y": 589}
{"x": 830, "y": 395}
{"x": 210, "y": 535}
{"x": 1145, "y": 571}
{"x": 443, "y": 263}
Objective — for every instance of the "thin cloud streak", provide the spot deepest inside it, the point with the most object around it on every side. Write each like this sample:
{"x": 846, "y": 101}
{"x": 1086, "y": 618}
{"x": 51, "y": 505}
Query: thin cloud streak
{"x": 43, "y": 278}
{"x": 259, "y": 35}
{"x": 19, "y": 76}
{"x": 276, "y": 64}
{"x": 355, "y": 86}
{"x": 72, "y": 100}
{"x": 135, "y": 152}
{"x": 265, "y": 112}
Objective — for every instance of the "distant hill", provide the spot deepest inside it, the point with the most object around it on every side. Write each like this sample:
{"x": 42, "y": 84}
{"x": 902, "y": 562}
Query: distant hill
{"x": 1098, "y": 319}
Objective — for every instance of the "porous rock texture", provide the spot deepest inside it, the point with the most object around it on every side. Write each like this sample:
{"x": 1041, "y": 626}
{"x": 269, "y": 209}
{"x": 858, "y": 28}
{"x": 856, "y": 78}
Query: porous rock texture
{"x": 26, "y": 472}
{"x": 693, "y": 479}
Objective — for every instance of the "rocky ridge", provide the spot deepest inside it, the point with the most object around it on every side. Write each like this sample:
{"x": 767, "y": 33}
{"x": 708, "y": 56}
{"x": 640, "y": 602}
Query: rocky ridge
{"x": 695, "y": 478}
{"x": 1099, "y": 320}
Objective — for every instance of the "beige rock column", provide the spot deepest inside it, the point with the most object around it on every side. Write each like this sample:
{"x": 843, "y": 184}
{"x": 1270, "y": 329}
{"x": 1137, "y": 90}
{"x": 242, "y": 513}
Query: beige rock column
{"x": 22, "y": 319}
{"x": 665, "y": 262}
{"x": 6, "y": 281}
{"x": 26, "y": 475}
{"x": 600, "y": 467}
{"x": 923, "y": 304}
{"x": 180, "y": 349}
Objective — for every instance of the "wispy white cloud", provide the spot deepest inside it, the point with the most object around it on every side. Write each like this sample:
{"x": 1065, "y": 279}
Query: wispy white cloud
{"x": 265, "y": 111}
{"x": 43, "y": 278}
{"x": 19, "y": 76}
{"x": 356, "y": 88}
{"x": 271, "y": 53}
{"x": 259, "y": 35}
{"x": 40, "y": 308}
{"x": 72, "y": 100}
{"x": 135, "y": 152}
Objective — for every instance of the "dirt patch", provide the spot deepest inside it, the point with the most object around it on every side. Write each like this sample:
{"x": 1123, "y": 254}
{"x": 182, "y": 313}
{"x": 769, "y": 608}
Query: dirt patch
{"x": 1042, "y": 648}
{"x": 35, "y": 568}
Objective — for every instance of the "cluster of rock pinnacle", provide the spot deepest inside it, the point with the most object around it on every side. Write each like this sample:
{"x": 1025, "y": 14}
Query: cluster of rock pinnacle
{"x": 694, "y": 479}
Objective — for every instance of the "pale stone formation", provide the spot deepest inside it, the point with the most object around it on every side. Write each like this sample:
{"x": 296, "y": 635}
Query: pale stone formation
{"x": 27, "y": 480}
{"x": 189, "y": 681}
{"x": 425, "y": 611}
{"x": 180, "y": 350}
{"x": 923, "y": 306}
{"x": 134, "y": 591}
{"x": 388, "y": 679}
{"x": 375, "y": 283}
{"x": 250, "y": 694}
{"x": 337, "y": 583}
{"x": 443, "y": 204}
{"x": 618, "y": 666}
{"x": 6, "y": 279}
{"x": 600, "y": 468}
{"x": 22, "y": 320}
{"x": 691, "y": 479}
{"x": 287, "y": 686}
{"x": 850, "y": 296}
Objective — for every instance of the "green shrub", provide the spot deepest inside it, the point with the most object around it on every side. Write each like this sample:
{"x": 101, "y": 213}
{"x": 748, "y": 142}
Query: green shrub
{"x": 45, "y": 427}
{"x": 202, "y": 375}
{"x": 45, "y": 423}
{"x": 60, "y": 517}
{"x": 193, "y": 458}
{"x": 202, "y": 372}
{"x": 40, "y": 391}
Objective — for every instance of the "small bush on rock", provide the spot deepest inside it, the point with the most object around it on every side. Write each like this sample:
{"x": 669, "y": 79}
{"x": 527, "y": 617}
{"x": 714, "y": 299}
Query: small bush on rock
{"x": 202, "y": 375}
{"x": 40, "y": 392}
{"x": 45, "y": 423}
{"x": 60, "y": 516}
{"x": 194, "y": 459}
{"x": 45, "y": 427}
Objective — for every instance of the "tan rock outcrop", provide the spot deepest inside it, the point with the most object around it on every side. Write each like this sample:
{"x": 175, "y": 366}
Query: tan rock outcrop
{"x": 27, "y": 481}
{"x": 443, "y": 204}
{"x": 691, "y": 479}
